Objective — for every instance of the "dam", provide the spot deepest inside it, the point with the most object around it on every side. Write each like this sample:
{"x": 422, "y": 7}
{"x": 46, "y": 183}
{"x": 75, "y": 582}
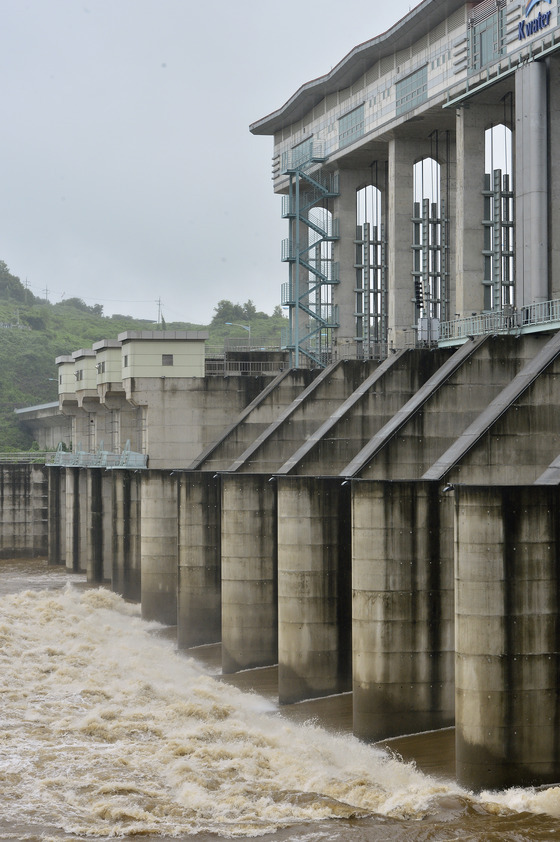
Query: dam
{"x": 375, "y": 508}
{"x": 385, "y": 528}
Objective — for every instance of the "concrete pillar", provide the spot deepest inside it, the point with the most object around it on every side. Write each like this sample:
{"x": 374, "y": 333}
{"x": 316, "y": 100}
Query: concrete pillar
{"x": 554, "y": 175}
{"x": 344, "y": 211}
{"x": 314, "y": 588}
{"x": 249, "y": 572}
{"x": 107, "y": 516}
{"x": 403, "y": 608}
{"x": 40, "y": 510}
{"x": 447, "y": 154}
{"x": 199, "y": 608}
{"x": 531, "y": 183}
{"x": 126, "y": 569}
{"x": 76, "y": 520}
{"x": 159, "y": 552}
{"x": 403, "y": 154}
{"x": 99, "y": 506}
{"x": 471, "y": 123}
{"x": 57, "y": 516}
{"x": 507, "y": 585}
{"x": 94, "y": 508}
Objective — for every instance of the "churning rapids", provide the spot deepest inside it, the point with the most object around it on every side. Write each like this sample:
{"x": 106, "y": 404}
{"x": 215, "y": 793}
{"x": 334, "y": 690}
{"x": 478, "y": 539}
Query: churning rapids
{"x": 106, "y": 731}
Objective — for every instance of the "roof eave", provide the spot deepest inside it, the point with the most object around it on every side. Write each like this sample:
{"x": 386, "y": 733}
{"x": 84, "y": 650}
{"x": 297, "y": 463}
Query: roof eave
{"x": 406, "y": 31}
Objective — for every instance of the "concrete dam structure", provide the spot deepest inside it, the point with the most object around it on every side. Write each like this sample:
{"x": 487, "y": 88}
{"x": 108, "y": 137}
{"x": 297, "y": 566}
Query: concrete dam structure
{"x": 381, "y": 528}
{"x": 376, "y": 508}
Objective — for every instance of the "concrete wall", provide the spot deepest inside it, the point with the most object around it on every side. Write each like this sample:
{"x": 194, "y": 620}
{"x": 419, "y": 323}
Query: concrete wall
{"x": 403, "y": 608}
{"x": 182, "y": 416}
{"x": 23, "y": 511}
{"x": 507, "y": 585}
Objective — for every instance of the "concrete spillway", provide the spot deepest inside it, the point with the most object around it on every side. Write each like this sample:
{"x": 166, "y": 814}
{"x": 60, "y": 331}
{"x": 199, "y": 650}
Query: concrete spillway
{"x": 353, "y": 563}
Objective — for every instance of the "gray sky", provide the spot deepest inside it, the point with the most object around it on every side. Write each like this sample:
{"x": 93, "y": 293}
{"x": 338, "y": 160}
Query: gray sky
{"x": 128, "y": 172}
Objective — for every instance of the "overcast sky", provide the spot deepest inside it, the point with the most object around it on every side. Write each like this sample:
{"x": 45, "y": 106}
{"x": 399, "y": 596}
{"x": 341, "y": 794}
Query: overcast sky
{"x": 127, "y": 170}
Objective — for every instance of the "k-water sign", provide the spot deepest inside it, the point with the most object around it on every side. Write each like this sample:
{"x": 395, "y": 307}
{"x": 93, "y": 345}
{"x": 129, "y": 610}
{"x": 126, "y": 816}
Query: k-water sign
{"x": 530, "y": 27}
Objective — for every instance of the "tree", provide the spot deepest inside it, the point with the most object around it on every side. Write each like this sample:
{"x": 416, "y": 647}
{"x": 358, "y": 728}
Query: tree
{"x": 11, "y": 287}
{"x": 249, "y": 310}
{"x": 225, "y": 311}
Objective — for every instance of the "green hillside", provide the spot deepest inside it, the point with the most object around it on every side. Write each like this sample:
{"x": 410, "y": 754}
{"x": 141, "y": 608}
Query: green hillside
{"x": 33, "y": 332}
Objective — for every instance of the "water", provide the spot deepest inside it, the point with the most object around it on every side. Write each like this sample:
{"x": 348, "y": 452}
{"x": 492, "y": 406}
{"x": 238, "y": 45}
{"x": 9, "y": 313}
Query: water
{"x": 106, "y": 731}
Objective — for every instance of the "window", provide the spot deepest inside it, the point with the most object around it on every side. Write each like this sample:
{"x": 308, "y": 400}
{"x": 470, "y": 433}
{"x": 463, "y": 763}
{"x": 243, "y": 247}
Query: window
{"x": 412, "y": 90}
{"x": 301, "y": 154}
{"x": 167, "y": 359}
{"x": 351, "y": 126}
{"x": 486, "y": 33}
{"x": 125, "y": 361}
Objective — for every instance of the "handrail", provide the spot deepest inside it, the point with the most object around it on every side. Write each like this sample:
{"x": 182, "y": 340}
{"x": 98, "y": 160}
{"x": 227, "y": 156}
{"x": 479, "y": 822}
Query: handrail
{"x": 507, "y": 320}
{"x": 25, "y": 457}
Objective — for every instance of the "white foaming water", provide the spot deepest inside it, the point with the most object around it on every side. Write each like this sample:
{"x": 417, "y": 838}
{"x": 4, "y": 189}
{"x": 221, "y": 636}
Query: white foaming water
{"x": 106, "y": 731}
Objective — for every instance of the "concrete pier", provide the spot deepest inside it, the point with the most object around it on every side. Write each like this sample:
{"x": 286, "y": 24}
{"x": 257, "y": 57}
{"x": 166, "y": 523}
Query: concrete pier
{"x": 199, "y": 607}
{"x": 507, "y": 586}
{"x": 94, "y": 544}
{"x": 158, "y": 506}
{"x": 249, "y": 573}
{"x": 76, "y": 520}
{"x": 314, "y": 588}
{"x": 56, "y": 478}
{"x": 126, "y": 564}
{"x": 403, "y": 608}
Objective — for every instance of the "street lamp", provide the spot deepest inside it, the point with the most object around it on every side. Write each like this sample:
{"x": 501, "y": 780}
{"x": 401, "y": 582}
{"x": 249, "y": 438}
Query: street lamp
{"x": 245, "y": 327}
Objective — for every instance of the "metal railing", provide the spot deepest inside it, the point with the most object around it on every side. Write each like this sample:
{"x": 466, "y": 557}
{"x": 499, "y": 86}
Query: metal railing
{"x": 224, "y": 366}
{"x": 25, "y": 457}
{"x": 508, "y": 320}
{"x": 357, "y": 351}
{"x": 127, "y": 459}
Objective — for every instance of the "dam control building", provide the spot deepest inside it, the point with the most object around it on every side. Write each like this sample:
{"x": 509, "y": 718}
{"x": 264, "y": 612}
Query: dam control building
{"x": 419, "y": 182}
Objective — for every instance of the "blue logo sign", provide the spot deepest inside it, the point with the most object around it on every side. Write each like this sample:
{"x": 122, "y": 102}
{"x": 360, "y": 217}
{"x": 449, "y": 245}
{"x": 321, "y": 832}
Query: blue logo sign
{"x": 531, "y": 27}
